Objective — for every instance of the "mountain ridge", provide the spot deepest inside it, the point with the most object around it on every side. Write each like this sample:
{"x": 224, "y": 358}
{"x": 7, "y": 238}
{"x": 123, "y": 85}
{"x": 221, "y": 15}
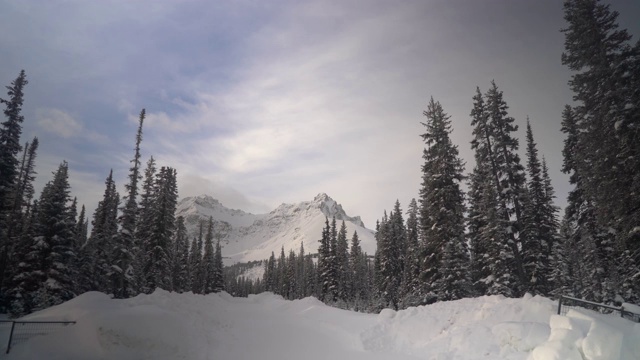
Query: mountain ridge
{"x": 247, "y": 237}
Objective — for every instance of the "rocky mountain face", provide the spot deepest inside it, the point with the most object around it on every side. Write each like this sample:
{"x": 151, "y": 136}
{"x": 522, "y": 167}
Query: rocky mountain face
{"x": 247, "y": 237}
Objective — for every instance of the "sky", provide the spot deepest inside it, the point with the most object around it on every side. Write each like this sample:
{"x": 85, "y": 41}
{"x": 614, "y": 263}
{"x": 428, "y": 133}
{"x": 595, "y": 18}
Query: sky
{"x": 259, "y": 103}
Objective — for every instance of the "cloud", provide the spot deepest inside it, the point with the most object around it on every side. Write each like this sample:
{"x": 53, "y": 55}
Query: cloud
{"x": 62, "y": 124}
{"x": 58, "y": 122}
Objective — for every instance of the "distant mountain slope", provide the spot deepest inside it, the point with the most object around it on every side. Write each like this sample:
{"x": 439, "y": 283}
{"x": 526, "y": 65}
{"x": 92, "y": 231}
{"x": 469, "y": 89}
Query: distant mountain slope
{"x": 247, "y": 237}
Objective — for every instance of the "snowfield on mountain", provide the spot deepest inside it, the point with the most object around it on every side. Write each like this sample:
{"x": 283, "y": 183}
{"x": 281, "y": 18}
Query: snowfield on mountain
{"x": 167, "y": 325}
{"x": 249, "y": 237}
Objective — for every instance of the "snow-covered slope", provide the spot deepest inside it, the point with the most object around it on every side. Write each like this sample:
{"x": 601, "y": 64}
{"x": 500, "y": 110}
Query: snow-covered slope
{"x": 167, "y": 325}
{"x": 247, "y": 237}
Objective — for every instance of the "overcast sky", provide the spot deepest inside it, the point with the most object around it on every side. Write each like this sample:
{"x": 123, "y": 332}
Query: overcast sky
{"x": 262, "y": 102}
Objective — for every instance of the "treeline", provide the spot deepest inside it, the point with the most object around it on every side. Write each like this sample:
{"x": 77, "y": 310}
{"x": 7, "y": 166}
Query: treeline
{"x": 135, "y": 245}
{"x": 503, "y": 235}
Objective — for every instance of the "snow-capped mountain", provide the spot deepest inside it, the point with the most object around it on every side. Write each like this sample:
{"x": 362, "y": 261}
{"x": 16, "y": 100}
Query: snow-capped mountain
{"x": 248, "y": 237}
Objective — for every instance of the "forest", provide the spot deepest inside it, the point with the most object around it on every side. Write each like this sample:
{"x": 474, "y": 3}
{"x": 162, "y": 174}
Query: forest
{"x": 503, "y": 236}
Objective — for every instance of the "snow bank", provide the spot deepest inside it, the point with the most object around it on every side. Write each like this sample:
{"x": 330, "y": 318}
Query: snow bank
{"x": 166, "y": 325}
{"x": 586, "y": 335}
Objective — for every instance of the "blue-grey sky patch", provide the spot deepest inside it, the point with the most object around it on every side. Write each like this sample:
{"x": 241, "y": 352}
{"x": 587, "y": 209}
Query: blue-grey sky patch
{"x": 263, "y": 102}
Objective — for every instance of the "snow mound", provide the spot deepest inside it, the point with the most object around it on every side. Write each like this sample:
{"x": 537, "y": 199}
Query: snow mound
{"x": 586, "y": 335}
{"x": 166, "y": 325}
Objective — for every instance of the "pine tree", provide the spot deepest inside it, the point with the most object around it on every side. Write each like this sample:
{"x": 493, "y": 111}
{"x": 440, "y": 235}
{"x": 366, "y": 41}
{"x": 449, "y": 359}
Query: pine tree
{"x": 479, "y": 244}
{"x": 218, "y": 280}
{"x": 162, "y": 230}
{"x": 144, "y": 227}
{"x": 442, "y": 209}
{"x": 180, "y": 260}
{"x": 607, "y": 119}
{"x": 195, "y": 262}
{"x": 342, "y": 254}
{"x": 324, "y": 263}
{"x": 26, "y": 277}
{"x": 53, "y": 238}
{"x": 358, "y": 272}
{"x": 411, "y": 288}
{"x": 208, "y": 260}
{"x": 10, "y": 131}
{"x": 98, "y": 273}
{"x": 388, "y": 270}
{"x": 301, "y": 290}
{"x": 536, "y": 254}
{"x": 128, "y": 245}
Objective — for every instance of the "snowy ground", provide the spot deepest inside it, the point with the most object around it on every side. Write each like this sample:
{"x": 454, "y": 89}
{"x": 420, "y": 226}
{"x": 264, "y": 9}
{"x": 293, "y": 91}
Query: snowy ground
{"x": 185, "y": 326}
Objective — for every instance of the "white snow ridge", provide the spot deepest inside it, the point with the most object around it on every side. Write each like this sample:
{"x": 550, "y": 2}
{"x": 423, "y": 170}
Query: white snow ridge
{"x": 167, "y": 325}
{"x": 247, "y": 237}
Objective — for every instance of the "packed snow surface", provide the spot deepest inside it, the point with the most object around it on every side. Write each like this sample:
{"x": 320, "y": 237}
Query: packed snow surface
{"x": 167, "y": 325}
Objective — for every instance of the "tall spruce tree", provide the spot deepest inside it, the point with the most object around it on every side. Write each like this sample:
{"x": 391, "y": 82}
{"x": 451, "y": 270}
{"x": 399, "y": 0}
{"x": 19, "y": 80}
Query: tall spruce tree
{"x": 128, "y": 245}
{"x": 180, "y": 259}
{"x": 218, "y": 280}
{"x": 342, "y": 260}
{"x": 607, "y": 118}
{"x": 99, "y": 274}
{"x": 208, "y": 260}
{"x": 159, "y": 250}
{"x": 53, "y": 235}
{"x": 10, "y": 131}
{"x": 388, "y": 260}
{"x": 195, "y": 262}
{"x": 444, "y": 271}
{"x": 411, "y": 288}
{"x": 538, "y": 251}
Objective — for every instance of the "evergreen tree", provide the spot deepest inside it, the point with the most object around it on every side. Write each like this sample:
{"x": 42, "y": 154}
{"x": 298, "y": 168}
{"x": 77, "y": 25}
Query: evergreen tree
{"x": 53, "y": 240}
{"x": 208, "y": 260}
{"x": 10, "y": 131}
{"x": 607, "y": 119}
{"x": 162, "y": 230}
{"x": 301, "y": 291}
{"x": 324, "y": 263}
{"x": 128, "y": 245}
{"x": 411, "y": 289}
{"x": 195, "y": 262}
{"x": 218, "y": 280}
{"x": 538, "y": 251}
{"x": 144, "y": 227}
{"x": 388, "y": 270}
{"x": 180, "y": 260}
{"x": 26, "y": 278}
{"x": 342, "y": 254}
{"x": 99, "y": 274}
{"x": 442, "y": 209}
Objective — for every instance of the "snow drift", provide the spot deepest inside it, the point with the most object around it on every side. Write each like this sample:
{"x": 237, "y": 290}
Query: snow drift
{"x": 167, "y": 325}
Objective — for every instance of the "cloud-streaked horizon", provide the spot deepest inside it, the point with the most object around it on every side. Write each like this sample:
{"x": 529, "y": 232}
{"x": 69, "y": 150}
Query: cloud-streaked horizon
{"x": 259, "y": 103}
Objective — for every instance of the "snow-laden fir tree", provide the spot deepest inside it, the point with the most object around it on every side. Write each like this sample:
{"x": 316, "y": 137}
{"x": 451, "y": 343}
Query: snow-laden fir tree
{"x": 411, "y": 287}
{"x": 605, "y": 83}
{"x": 388, "y": 260}
{"x": 127, "y": 245}
{"x": 537, "y": 227}
{"x": 180, "y": 281}
{"x": 98, "y": 256}
{"x": 10, "y": 131}
{"x": 195, "y": 262}
{"x": 145, "y": 217}
{"x": 158, "y": 245}
{"x": 208, "y": 260}
{"x": 53, "y": 238}
{"x": 218, "y": 279}
{"x": 342, "y": 259}
{"x": 445, "y": 266}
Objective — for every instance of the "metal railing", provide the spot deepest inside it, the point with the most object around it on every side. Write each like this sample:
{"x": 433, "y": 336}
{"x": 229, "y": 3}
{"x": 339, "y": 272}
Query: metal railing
{"x": 567, "y": 302}
{"x": 22, "y": 331}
